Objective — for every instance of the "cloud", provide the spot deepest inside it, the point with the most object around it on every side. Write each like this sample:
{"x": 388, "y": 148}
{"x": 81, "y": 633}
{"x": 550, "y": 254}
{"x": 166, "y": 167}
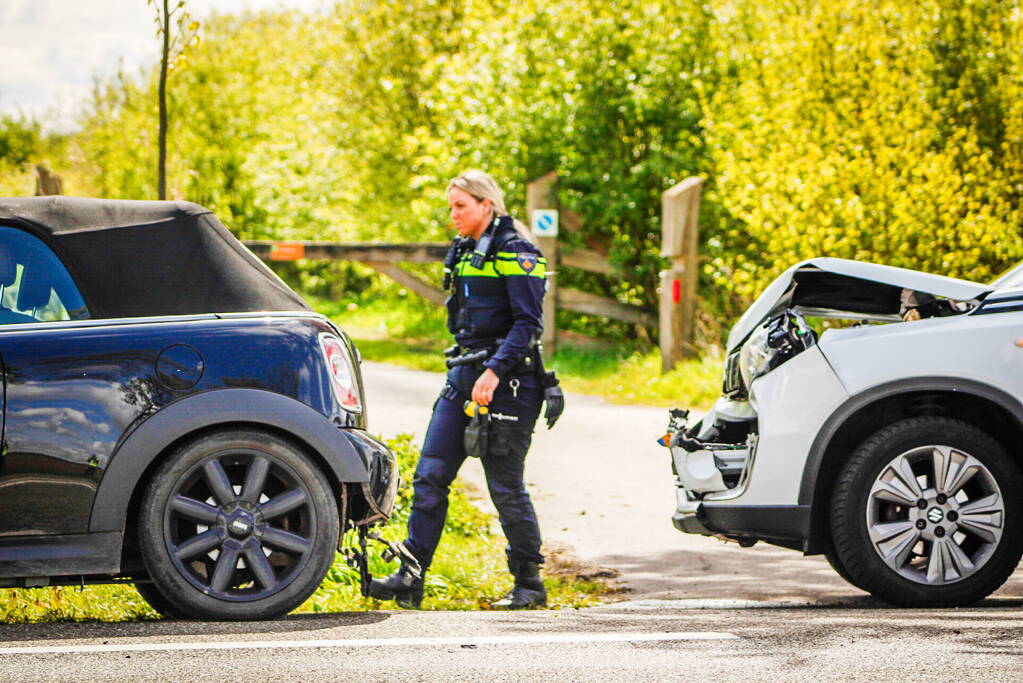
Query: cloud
{"x": 53, "y": 49}
{"x": 54, "y": 418}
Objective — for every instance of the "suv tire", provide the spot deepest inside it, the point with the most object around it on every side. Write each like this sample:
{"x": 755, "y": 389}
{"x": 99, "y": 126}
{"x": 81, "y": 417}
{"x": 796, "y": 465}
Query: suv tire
{"x": 832, "y": 557}
{"x": 237, "y": 525}
{"x": 961, "y": 537}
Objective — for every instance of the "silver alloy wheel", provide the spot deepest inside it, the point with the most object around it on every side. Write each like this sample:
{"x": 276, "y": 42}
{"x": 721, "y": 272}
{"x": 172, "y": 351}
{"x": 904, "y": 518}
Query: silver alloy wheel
{"x": 935, "y": 515}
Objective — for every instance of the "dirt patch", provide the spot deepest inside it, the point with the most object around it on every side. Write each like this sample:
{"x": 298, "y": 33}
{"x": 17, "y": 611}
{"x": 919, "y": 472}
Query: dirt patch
{"x": 560, "y": 562}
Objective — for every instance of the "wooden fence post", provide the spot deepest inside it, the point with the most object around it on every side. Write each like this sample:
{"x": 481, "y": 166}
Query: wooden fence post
{"x": 540, "y": 195}
{"x": 48, "y": 183}
{"x": 680, "y": 235}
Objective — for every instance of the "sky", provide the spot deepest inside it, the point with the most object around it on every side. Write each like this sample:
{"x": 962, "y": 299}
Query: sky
{"x": 51, "y": 50}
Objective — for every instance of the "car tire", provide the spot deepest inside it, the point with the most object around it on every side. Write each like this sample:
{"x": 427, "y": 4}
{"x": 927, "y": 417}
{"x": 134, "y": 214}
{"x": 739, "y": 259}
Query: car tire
{"x": 237, "y": 525}
{"x": 832, "y": 557}
{"x": 152, "y": 595}
{"x": 925, "y": 514}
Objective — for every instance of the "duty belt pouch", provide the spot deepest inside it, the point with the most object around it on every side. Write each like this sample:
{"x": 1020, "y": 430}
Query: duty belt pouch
{"x": 477, "y": 435}
{"x": 449, "y": 392}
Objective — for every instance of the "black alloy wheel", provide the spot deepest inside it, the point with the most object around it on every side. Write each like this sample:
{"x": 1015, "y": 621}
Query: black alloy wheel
{"x": 237, "y": 525}
{"x": 926, "y": 513}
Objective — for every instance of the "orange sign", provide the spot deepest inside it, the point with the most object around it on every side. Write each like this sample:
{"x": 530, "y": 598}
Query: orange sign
{"x": 287, "y": 251}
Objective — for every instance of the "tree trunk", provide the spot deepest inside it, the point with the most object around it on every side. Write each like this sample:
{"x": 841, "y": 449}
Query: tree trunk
{"x": 161, "y": 184}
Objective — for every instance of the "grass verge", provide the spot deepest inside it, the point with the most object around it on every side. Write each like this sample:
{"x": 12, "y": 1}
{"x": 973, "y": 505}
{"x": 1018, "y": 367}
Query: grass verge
{"x": 469, "y": 570}
{"x": 468, "y": 573}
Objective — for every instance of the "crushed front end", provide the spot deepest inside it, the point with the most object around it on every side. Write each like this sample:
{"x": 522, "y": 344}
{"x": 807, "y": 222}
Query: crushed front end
{"x": 748, "y": 469}
{"x": 772, "y": 373}
{"x": 711, "y": 456}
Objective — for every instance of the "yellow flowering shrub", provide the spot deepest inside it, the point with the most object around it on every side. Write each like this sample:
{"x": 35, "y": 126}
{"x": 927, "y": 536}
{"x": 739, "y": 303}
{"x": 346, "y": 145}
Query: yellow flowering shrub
{"x": 856, "y": 129}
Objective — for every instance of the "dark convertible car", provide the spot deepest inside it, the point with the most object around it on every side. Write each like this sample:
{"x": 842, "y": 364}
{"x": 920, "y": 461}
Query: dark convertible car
{"x": 173, "y": 414}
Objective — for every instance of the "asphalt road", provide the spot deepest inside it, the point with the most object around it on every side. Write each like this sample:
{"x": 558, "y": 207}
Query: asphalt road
{"x": 695, "y": 608}
{"x": 611, "y": 643}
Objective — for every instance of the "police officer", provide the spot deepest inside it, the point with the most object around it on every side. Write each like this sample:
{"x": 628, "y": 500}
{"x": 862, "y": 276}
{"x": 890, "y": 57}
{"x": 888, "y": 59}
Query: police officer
{"x": 497, "y": 281}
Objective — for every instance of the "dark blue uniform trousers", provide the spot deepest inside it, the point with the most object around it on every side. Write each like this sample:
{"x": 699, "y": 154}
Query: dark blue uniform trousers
{"x": 503, "y": 464}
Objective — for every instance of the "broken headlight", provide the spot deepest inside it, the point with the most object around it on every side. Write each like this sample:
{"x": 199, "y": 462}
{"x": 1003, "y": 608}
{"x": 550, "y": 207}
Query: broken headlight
{"x": 773, "y": 343}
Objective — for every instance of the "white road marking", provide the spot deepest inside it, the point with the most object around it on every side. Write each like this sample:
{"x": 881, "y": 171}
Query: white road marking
{"x": 653, "y": 604}
{"x": 372, "y": 642}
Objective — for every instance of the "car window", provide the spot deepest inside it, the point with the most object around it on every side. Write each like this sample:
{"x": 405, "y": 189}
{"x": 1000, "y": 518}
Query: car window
{"x": 34, "y": 285}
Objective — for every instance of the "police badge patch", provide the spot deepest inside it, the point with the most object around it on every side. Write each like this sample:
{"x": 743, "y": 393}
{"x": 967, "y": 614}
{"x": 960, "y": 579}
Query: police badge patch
{"x": 527, "y": 262}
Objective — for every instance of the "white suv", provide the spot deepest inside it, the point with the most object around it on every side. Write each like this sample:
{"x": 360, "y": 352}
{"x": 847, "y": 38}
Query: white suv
{"x": 894, "y": 449}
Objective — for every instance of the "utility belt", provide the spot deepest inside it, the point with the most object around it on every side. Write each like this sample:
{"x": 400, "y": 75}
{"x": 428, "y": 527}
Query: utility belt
{"x": 530, "y": 364}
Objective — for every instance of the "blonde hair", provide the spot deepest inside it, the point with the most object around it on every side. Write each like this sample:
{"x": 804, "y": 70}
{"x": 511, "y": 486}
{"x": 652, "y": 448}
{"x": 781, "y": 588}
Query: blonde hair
{"x": 480, "y": 186}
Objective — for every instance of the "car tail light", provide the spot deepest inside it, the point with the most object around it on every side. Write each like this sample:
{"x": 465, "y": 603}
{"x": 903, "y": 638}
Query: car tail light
{"x": 342, "y": 375}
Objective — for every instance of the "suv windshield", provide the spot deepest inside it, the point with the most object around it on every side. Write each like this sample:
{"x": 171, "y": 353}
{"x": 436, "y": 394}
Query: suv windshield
{"x": 34, "y": 285}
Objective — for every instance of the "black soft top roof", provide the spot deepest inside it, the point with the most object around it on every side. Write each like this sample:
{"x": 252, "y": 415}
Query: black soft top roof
{"x": 146, "y": 258}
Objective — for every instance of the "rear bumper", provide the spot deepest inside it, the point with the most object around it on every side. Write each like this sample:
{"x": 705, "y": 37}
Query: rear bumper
{"x": 381, "y": 489}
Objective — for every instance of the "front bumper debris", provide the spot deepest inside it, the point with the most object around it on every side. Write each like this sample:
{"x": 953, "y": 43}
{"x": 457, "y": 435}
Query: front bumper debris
{"x": 710, "y": 458}
{"x": 703, "y": 469}
{"x": 705, "y": 465}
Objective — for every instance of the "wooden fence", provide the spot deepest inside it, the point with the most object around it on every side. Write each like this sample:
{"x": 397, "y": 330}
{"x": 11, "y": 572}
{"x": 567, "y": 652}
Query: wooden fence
{"x": 382, "y": 257}
{"x": 680, "y": 237}
{"x": 680, "y": 244}
{"x": 540, "y": 195}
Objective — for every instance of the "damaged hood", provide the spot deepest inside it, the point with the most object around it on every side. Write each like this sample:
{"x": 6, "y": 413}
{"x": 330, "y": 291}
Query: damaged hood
{"x": 844, "y": 286}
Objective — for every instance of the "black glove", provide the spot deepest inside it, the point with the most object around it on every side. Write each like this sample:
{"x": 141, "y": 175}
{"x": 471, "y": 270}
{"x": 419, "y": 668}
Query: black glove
{"x": 555, "y": 404}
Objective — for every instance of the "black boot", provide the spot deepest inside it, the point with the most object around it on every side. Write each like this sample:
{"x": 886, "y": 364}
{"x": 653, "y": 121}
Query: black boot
{"x": 402, "y": 586}
{"x": 528, "y": 591}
